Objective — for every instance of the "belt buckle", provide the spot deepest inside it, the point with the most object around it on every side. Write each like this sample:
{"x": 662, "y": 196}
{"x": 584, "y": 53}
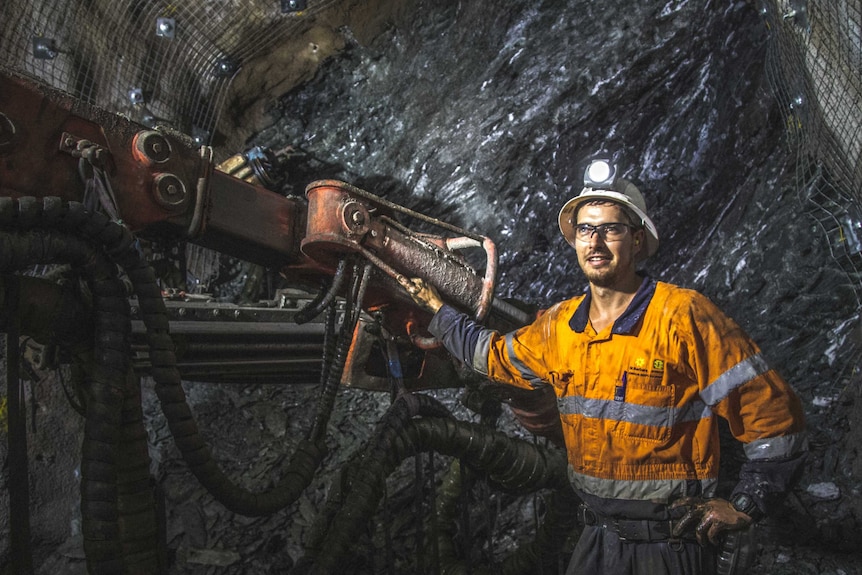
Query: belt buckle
{"x": 620, "y": 535}
{"x": 626, "y": 531}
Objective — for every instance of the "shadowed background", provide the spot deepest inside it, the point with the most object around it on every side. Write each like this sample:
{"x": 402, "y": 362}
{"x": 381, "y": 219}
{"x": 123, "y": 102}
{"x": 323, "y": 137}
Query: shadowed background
{"x": 484, "y": 115}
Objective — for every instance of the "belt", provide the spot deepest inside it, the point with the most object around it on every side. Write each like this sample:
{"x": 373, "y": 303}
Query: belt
{"x": 630, "y": 529}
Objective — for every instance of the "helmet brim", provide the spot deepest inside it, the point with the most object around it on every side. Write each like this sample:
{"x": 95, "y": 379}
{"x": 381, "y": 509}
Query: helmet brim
{"x": 566, "y": 219}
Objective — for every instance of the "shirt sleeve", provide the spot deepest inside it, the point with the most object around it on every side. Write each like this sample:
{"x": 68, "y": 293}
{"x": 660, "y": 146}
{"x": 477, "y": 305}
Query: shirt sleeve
{"x": 762, "y": 410}
{"x": 458, "y": 332}
{"x": 516, "y": 358}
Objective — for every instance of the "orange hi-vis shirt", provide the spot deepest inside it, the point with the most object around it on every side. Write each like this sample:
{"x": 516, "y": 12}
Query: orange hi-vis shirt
{"x": 639, "y": 401}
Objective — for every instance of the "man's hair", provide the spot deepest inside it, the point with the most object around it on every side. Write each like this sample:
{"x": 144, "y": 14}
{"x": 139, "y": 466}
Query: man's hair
{"x": 633, "y": 218}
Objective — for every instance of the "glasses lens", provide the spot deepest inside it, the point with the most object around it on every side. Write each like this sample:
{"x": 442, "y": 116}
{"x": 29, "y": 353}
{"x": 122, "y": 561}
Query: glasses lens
{"x": 610, "y": 232}
{"x": 584, "y": 230}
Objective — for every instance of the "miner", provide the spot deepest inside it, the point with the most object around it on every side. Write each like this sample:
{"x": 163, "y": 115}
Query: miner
{"x": 642, "y": 371}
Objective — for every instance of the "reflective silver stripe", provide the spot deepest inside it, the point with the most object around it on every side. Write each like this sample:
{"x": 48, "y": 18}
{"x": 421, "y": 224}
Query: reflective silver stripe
{"x": 632, "y": 412}
{"x": 483, "y": 349}
{"x": 570, "y": 404}
{"x": 660, "y": 490}
{"x": 526, "y": 373}
{"x": 776, "y": 447}
{"x": 693, "y": 411}
{"x": 741, "y": 373}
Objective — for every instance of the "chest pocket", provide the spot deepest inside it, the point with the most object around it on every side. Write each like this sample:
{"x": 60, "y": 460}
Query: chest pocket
{"x": 648, "y": 413}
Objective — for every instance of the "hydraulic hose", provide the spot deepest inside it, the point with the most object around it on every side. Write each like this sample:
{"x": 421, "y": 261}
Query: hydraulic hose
{"x": 119, "y": 244}
{"x": 55, "y": 315}
{"x": 18, "y": 480}
{"x": 514, "y": 464}
{"x": 332, "y": 370}
{"x": 324, "y": 297}
{"x": 393, "y": 423}
{"x": 115, "y": 461}
{"x": 184, "y": 429}
{"x": 541, "y": 555}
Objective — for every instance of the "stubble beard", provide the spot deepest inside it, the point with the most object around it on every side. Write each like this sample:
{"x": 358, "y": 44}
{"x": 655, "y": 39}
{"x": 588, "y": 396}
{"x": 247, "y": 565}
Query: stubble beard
{"x": 603, "y": 279}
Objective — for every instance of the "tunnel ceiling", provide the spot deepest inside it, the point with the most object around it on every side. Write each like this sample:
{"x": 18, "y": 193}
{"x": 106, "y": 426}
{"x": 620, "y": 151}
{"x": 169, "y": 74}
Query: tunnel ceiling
{"x": 484, "y": 114}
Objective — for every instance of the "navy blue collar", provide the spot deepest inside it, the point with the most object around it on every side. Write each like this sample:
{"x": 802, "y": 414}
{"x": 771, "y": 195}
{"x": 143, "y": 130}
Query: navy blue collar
{"x": 626, "y": 322}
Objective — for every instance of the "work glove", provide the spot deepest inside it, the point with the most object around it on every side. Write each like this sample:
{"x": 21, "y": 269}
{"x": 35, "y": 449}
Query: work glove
{"x": 423, "y": 293}
{"x": 713, "y": 517}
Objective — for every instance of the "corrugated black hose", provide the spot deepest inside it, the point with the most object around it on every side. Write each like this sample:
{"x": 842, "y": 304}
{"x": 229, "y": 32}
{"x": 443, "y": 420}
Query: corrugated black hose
{"x": 115, "y": 462}
{"x": 324, "y": 298}
{"x": 342, "y": 491}
{"x": 119, "y": 244}
{"x": 541, "y": 555}
{"x": 511, "y": 463}
{"x": 21, "y": 556}
{"x": 332, "y": 370}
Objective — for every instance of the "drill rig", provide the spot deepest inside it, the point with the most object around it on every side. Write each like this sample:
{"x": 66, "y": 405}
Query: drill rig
{"x": 91, "y": 190}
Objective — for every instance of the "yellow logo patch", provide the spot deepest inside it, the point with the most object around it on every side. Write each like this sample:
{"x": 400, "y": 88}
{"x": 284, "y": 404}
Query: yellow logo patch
{"x": 657, "y": 364}
{"x": 640, "y": 362}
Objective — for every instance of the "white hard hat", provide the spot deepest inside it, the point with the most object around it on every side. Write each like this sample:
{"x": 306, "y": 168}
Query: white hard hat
{"x": 600, "y": 183}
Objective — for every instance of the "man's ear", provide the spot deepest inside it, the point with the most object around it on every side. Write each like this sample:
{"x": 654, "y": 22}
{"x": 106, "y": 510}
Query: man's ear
{"x": 640, "y": 240}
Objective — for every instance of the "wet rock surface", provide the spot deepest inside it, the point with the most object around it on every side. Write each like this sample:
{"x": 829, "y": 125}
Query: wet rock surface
{"x": 483, "y": 115}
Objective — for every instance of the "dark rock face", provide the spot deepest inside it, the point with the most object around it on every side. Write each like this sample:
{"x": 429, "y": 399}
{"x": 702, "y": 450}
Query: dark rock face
{"x": 484, "y": 114}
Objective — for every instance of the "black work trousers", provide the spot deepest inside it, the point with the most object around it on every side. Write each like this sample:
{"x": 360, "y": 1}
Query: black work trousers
{"x": 601, "y": 552}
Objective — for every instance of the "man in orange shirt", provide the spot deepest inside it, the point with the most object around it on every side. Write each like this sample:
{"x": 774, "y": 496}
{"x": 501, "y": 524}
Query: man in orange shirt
{"x": 642, "y": 370}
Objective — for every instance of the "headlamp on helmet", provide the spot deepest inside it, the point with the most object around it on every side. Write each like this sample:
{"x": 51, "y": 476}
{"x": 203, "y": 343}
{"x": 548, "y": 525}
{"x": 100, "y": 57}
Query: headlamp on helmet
{"x": 600, "y": 175}
{"x": 601, "y": 183}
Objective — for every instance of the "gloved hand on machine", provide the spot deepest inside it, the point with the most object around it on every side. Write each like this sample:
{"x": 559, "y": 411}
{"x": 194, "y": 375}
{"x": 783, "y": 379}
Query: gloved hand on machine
{"x": 712, "y": 517}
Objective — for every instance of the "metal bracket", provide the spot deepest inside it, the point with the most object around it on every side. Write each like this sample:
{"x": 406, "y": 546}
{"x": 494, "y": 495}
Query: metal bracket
{"x": 136, "y": 96}
{"x": 798, "y": 12}
{"x": 225, "y": 67}
{"x": 166, "y": 27}
{"x": 81, "y": 148}
{"x": 44, "y": 48}
{"x": 288, "y": 6}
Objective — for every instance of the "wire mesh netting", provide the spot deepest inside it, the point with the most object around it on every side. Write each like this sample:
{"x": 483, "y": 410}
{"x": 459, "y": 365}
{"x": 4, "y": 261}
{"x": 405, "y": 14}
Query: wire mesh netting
{"x": 172, "y": 63}
{"x": 815, "y": 68}
{"x": 154, "y": 62}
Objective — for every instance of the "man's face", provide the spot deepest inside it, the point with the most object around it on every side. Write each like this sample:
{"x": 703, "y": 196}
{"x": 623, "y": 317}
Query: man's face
{"x": 608, "y": 263}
